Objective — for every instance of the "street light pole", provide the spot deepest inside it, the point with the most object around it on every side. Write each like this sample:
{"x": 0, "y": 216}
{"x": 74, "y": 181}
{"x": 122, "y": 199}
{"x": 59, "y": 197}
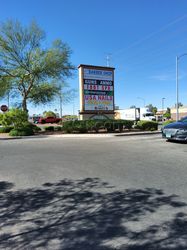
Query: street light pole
{"x": 177, "y": 90}
{"x": 177, "y": 85}
{"x": 163, "y": 108}
{"x": 60, "y": 105}
{"x": 60, "y": 99}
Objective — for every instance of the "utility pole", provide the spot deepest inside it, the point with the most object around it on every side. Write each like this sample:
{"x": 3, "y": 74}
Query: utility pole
{"x": 177, "y": 90}
{"x": 177, "y": 85}
{"x": 60, "y": 96}
{"x": 73, "y": 106}
{"x": 163, "y": 108}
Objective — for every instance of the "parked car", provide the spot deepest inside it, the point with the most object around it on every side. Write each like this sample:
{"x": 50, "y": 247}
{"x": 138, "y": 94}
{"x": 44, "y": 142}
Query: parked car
{"x": 176, "y": 131}
{"x": 49, "y": 119}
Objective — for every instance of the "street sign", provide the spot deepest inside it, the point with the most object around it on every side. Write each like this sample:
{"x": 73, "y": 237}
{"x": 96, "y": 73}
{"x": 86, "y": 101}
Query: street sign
{"x": 4, "y": 108}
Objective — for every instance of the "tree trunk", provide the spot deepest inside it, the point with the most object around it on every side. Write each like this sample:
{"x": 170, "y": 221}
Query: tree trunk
{"x": 24, "y": 104}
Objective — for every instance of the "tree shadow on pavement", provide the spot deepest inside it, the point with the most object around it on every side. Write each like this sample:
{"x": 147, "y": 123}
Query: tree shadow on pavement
{"x": 90, "y": 214}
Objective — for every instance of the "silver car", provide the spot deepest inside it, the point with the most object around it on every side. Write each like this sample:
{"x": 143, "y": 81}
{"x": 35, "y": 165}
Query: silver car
{"x": 176, "y": 131}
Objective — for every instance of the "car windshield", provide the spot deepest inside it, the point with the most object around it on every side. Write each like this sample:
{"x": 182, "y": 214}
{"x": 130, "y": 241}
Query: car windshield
{"x": 149, "y": 114}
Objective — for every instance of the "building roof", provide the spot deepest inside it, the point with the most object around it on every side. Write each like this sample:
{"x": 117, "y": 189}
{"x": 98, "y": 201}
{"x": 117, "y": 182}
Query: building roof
{"x": 93, "y": 66}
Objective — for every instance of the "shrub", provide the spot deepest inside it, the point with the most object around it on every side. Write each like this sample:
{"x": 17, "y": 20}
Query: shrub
{"x": 109, "y": 126}
{"x": 24, "y": 131}
{"x": 14, "y": 117}
{"x": 90, "y": 124}
{"x": 32, "y": 126}
{"x": 36, "y": 129}
{"x": 72, "y": 126}
{"x": 95, "y": 125}
{"x": 57, "y": 128}
{"x": 80, "y": 126}
{"x": 1, "y": 117}
{"x": 112, "y": 125}
{"x": 147, "y": 125}
{"x": 49, "y": 128}
{"x": 5, "y": 129}
{"x": 6, "y": 120}
{"x": 18, "y": 117}
{"x": 67, "y": 126}
{"x": 119, "y": 126}
{"x": 128, "y": 124}
{"x": 99, "y": 124}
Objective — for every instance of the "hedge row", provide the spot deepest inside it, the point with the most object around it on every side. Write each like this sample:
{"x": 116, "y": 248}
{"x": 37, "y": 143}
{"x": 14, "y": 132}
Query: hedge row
{"x": 53, "y": 128}
{"x": 26, "y": 128}
{"x": 96, "y": 125}
{"x": 109, "y": 125}
{"x": 147, "y": 125}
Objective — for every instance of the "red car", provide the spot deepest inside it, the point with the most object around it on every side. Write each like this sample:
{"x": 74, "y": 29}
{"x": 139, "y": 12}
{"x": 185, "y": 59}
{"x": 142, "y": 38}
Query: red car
{"x": 49, "y": 119}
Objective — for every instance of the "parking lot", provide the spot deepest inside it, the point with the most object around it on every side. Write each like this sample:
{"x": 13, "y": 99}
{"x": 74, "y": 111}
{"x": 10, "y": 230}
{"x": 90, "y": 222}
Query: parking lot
{"x": 100, "y": 193}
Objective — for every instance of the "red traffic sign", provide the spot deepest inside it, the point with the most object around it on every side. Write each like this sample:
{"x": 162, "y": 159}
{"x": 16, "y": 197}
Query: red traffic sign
{"x": 4, "y": 108}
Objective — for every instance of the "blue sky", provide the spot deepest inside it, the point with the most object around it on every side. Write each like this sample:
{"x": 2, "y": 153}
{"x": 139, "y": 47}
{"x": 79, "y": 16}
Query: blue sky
{"x": 141, "y": 37}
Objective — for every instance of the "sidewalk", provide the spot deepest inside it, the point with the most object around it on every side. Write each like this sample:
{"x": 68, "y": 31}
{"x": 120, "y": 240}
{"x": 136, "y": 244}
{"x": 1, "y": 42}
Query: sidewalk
{"x": 4, "y": 136}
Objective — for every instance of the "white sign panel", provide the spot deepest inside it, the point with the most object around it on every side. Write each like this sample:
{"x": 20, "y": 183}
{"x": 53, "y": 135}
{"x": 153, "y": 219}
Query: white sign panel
{"x": 98, "y": 74}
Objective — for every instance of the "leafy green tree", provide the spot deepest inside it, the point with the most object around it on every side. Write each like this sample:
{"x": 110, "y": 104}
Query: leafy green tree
{"x": 49, "y": 113}
{"x": 4, "y": 86}
{"x": 70, "y": 117}
{"x": 167, "y": 114}
{"x": 29, "y": 69}
{"x": 14, "y": 117}
{"x": 152, "y": 108}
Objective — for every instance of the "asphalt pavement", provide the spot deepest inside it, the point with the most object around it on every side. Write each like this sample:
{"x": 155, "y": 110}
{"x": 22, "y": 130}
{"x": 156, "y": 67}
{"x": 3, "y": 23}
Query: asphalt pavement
{"x": 100, "y": 193}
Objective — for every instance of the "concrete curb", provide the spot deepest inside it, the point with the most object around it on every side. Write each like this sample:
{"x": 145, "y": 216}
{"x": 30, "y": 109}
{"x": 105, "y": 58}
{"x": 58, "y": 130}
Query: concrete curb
{"x": 139, "y": 133}
{"x": 81, "y": 135}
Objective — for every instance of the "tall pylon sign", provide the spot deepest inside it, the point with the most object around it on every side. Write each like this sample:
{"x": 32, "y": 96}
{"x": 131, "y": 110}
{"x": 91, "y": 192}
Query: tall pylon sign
{"x": 96, "y": 84}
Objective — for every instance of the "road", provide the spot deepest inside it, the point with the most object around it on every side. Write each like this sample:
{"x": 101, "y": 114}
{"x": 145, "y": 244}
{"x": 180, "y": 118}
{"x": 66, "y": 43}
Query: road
{"x": 99, "y": 193}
